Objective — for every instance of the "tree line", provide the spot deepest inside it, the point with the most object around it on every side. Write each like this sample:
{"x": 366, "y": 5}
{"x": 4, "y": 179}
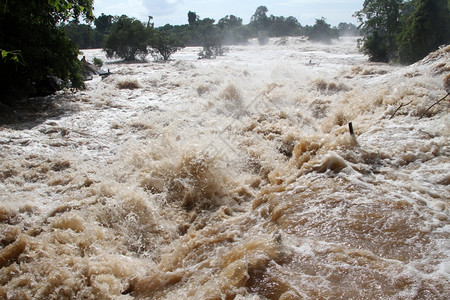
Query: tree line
{"x": 126, "y": 37}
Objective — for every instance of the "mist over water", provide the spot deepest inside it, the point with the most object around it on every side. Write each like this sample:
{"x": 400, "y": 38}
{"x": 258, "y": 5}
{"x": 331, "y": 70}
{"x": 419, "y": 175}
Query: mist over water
{"x": 233, "y": 178}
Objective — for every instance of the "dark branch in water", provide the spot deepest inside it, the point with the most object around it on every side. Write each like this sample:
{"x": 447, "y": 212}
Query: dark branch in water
{"x": 433, "y": 105}
{"x": 401, "y": 105}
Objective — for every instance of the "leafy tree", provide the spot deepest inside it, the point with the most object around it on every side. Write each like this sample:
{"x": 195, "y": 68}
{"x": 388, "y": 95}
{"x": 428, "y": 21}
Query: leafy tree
{"x": 34, "y": 46}
{"x": 104, "y": 23}
{"x": 183, "y": 33}
{"x": 233, "y": 30}
{"x": 380, "y": 25}
{"x": 229, "y": 22}
{"x": 260, "y": 15}
{"x": 164, "y": 45}
{"x": 212, "y": 38}
{"x": 193, "y": 19}
{"x": 281, "y": 26}
{"x": 128, "y": 38}
{"x": 81, "y": 34}
{"x": 424, "y": 31}
{"x": 322, "y": 32}
{"x": 259, "y": 21}
{"x": 264, "y": 27}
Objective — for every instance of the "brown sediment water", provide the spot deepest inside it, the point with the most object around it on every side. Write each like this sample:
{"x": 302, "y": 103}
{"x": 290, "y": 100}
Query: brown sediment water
{"x": 232, "y": 178}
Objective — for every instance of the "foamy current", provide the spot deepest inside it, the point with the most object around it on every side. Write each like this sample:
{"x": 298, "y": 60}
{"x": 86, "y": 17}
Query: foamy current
{"x": 233, "y": 178}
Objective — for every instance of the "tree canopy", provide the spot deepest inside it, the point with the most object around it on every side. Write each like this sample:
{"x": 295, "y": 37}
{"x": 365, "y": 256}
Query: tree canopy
{"x": 403, "y": 31}
{"x": 379, "y": 25}
{"x": 427, "y": 28}
{"x": 128, "y": 38}
{"x": 322, "y": 31}
{"x": 35, "y": 46}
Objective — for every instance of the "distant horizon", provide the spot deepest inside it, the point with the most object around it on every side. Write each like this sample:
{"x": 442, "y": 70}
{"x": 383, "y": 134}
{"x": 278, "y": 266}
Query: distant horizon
{"x": 174, "y": 12}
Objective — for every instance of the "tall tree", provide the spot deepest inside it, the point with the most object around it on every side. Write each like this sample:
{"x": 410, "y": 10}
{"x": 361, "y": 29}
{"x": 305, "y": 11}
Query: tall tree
{"x": 425, "y": 30}
{"x": 380, "y": 25}
{"x": 35, "y": 46}
{"x": 193, "y": 19}
{"x": 259, "y": 20}
{"x": 322, "y": 32}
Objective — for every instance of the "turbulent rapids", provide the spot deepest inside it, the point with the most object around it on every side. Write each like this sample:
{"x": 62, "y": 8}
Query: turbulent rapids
{"x": 233, "y": 178}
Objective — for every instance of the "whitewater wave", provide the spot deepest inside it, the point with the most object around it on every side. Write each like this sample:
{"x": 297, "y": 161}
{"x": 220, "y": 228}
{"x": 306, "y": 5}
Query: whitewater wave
{"x": 232, "y": 178}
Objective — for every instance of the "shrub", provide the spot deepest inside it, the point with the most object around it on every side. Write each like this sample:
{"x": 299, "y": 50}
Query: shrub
{"x": 98, "y": 62}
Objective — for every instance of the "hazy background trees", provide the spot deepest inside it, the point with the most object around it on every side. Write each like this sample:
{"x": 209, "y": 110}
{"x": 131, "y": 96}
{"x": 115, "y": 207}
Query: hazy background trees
{"x": 206, "y": 32}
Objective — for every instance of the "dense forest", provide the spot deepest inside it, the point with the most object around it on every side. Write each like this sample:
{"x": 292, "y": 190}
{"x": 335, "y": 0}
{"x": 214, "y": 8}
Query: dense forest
{"x": 43, "y": 37}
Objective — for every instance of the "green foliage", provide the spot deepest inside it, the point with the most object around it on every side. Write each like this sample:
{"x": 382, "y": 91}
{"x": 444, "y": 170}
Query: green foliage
{"x": 229, "y": 22}
{"x": 380, "y": 25}
{"x": 212, "y": 39}
{"x": 425, "y": 30}
{"x": 128, "y": 38}
{"x": 272, "y": 26}
{"x": 193, "y": 19}
{"x": 80, "y": 34}
{"x": 322, "y": 32}
{"x": 104, "y": 23}
{"x": 403, "y": 31}
{"x": 86, "y": 37}
{"x": 164, "y": 45}
{"x": 259, "y": 20}
{"x": 35, "y": 46}
{"x": 281, "y": 26}
{"x": 98, "y": 62}
{"x": 182, "y": 33}
{"x": 14, "y": 56}
{"x": 233, "y": 32}
{"x": 375, "y": 45}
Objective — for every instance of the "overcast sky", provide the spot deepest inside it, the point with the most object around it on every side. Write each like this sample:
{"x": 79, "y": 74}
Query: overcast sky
{"x": 175, "y": 12}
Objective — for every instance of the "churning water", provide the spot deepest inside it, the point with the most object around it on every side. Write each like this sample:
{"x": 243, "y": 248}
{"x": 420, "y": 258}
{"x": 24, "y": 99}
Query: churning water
{"x": 233, "y": 178}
